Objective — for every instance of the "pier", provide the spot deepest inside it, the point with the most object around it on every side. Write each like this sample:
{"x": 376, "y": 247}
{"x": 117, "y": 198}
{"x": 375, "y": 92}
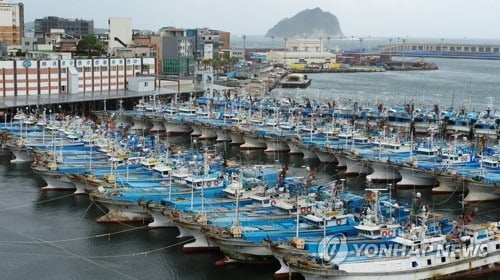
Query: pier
{"x": 444, "y": 50}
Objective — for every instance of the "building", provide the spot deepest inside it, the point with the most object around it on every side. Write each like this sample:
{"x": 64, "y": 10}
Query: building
{"x": 120, "y": 33}
{"x": 11, "y": 23}
{"x": 443, "y": 49}
{"x": 67, "y": 76}
{"x": 175, "y": 51}
{"x": 224, "y": 40}
{"x": 3, "y": 49}
{"x": 287, "y": 58}
{"x": 219, "y": 40}
{"x": 76, "y": 28}
{"x": 304, "y": 45}
{"x": 177, "y": 55}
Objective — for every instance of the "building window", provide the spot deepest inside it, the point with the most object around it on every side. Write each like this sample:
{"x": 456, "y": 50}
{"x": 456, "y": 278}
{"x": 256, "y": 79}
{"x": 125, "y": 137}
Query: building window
{"x": 429, "y": 262}
{"x": 104, "y": 68}
{"x": 96, "y": 69}
{"x": 63, "y": 70}
{"x": 414, "y": 264}
{"x": 443, "y": 259}
{"x": 113, "y": 68}
{"x": 87, "y": 69}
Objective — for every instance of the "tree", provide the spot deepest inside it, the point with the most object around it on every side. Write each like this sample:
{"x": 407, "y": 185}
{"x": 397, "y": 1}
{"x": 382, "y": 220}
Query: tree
{"x": 91, "y": 46}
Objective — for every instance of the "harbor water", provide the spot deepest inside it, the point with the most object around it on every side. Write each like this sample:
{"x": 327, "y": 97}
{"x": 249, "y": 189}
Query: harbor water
{"x": 54, "y": 235}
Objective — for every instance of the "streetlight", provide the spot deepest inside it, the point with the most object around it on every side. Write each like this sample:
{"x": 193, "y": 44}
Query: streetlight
{"x": 441, "y": 48}
{"x": 244, "y": 46}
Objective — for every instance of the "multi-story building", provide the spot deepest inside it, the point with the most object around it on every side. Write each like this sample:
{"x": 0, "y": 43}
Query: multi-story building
{"x": 175, "y": 49}
{"x": 77, "y": 28}
{"x": 304, "y": 45}
{"x": 11, "y": 23}
{"x": 219, "y": 40}
{"x": 120, "y": 33}
{"x": 68, "y": 76}
{"x": 300, "y": 57}
{"x": 224, "y": 40}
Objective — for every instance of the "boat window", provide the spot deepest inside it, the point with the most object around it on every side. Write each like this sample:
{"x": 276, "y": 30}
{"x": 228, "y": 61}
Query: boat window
{"x": 498, "y": 246}
{"x": 457, "y": 256}
{"x": 414, "y": 264}
{"x": 429, "y": 262}
{"x": 443, "y": 259}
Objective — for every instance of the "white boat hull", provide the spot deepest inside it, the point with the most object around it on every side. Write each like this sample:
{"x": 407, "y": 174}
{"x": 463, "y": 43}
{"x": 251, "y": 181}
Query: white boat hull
{"x": 140, "y": 124}
{"x": 196, "y": 131}
{"x": 208, "y": 133}
{"x": 160, "y": 220}
{"x": 276, "y": 146}
{"x": 244, "y": 252}
{"x": 383, "y": 172}
{"x": 355, "y": 166}
{"x": 481, "y": 192}
{"x": 400, "y": 126}
{"x": 122, "y": 212}
{"x": 56, "y": 182}
{"x": 201, "y": 241}
{"x": 123, "y": 121}
{"x": 236, "y": 139}
{"x": 223, "y": 136}
{"x": 326, "y": 157}
{"x": 294, "y": 149}
{"x": 447, "y": 184}
{"x": 308, "y": 154}
{"x": 174, "y": 128}
{"x": 415, "y": 178}
{"x": 393, "y": 269}
{"x": 490, "y": 133}
{"x": 157, "y": 126}
{"x": 341, "y": 164}
{"x": 82, "y": 187}
{"x": 21, "y": 155}
{"x": 457, "y": 129}
{"x": 252, "y": 143}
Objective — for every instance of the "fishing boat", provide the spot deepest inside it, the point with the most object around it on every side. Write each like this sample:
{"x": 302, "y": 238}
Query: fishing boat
{"x": 417, "y": 257}
{"x": 295, "y": 80}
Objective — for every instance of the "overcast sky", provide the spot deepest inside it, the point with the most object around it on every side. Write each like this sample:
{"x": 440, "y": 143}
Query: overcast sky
{"x": 388, "y": 18}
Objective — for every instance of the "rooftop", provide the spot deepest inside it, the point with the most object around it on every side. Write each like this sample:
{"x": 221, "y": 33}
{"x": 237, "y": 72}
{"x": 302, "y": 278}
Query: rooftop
{"x": 30, "y": 100}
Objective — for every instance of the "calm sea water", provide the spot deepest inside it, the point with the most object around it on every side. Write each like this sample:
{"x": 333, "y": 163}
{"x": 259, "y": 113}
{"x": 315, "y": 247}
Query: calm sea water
{"x": 472, "y": 83}
{"x": 53, "y": 235}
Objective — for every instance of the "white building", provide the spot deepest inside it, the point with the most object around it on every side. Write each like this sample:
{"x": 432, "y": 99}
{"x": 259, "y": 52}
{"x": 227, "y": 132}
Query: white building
{"x": 120, "y": 28}
{"x": 287, "y": 58}
{"x": 34, "y": 77}
{"x": 208, "y": 51}
{"x": 304, "y": 45}
{"x": 11, "y": 23}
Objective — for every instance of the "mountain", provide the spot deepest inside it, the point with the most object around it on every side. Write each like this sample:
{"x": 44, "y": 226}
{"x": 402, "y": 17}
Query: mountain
{"x": 307, "y": 23}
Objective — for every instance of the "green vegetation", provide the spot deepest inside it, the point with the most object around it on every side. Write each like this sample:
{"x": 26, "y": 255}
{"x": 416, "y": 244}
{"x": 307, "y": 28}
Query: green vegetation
{"x": 222, "y": 64}
{"x": 90, "y": 46}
